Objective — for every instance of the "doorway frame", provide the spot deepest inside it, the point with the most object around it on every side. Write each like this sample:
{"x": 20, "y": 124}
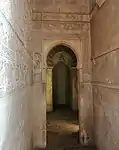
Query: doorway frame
{"x": 81, "y": 48}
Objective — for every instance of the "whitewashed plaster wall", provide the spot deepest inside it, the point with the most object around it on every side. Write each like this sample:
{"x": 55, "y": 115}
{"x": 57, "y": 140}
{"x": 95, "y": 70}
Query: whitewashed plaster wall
{"x": 105, "y": 53}
{"x": 15, "y": 75}
{"x": 68, "y": 23}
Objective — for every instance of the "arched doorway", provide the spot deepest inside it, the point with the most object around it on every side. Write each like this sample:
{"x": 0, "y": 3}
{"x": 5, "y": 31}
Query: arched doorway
{"x": 61, "y": 63}
{"x": 62, "y": 95}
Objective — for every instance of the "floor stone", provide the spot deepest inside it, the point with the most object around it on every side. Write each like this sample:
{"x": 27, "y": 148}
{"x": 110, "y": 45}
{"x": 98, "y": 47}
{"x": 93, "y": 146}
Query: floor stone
{"x": 63, "y": 131}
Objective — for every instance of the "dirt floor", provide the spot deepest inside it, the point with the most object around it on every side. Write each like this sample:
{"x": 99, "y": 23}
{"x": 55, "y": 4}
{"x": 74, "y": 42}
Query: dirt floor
{"x": 63, "y": 131}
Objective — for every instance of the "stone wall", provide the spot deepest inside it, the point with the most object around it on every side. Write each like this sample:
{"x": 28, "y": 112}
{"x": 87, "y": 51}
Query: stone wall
{"x": 105, "y": 54}
{"x": 15, "y": 75}
{"x": 68, "y": 23}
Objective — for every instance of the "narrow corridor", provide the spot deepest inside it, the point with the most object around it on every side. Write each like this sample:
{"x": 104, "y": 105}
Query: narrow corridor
{"x": 59, "y": 52}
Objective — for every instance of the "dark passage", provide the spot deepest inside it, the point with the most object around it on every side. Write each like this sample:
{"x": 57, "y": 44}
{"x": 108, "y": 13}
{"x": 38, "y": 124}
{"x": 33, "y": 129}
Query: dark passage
{"x": 61, "y": 86}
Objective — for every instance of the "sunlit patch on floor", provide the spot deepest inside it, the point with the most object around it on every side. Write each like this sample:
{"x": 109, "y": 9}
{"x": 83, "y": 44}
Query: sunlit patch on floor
{"x": 62, "y": 127}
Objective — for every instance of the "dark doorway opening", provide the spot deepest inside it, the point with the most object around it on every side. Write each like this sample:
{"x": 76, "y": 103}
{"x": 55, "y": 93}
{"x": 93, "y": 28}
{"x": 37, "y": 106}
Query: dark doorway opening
{"x": 61, "y": 79}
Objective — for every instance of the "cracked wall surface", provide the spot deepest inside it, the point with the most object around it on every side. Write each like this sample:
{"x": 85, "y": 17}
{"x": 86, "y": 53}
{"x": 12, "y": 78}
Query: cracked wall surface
{"x": 15, "y": 75}
{"x": 105, "y": 54}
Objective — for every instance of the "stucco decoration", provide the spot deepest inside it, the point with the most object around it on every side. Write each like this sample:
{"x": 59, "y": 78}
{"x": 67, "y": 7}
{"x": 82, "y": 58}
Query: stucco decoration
{"x": 61, "y": 53}
{"x": 37, "y": 62}
{"x": 74, "y": 6}
{"x": 59, "y": 16}
{"x": 62, "y": 29}
{"x": 13, "y": 71}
